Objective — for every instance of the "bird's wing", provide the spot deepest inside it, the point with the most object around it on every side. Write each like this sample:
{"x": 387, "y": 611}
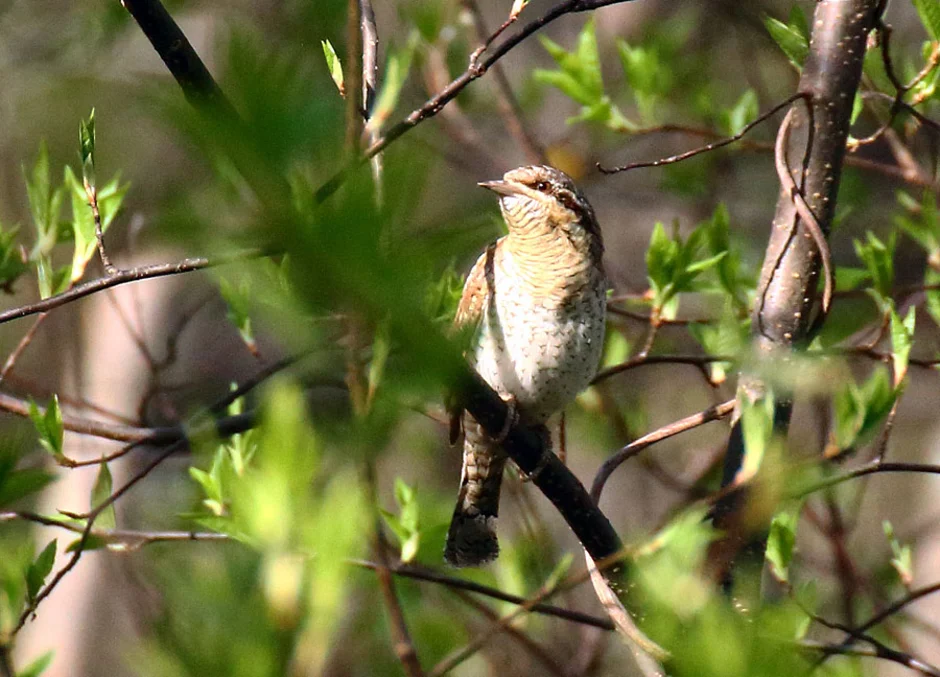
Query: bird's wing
{"x": 467, "y": 319}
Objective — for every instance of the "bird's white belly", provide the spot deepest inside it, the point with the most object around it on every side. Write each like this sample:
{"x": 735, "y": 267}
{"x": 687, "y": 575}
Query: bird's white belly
{"x": 543, "y": 355}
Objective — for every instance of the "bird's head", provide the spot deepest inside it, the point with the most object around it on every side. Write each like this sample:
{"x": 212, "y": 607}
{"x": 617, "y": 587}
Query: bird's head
{"x": 537, "y": 199}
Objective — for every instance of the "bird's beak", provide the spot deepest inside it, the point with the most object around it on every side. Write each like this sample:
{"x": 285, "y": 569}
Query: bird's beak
{"x": 501, "y": 187}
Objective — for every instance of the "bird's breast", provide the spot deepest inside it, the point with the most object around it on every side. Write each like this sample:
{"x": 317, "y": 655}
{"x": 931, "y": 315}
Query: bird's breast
{"x": 542, "y": 349}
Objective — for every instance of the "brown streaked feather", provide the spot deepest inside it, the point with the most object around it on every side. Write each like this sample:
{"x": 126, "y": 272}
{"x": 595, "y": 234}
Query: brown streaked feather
{"x": 466, "y": 320}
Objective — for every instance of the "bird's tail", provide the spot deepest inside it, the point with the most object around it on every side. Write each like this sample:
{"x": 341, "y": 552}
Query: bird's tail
{"x": 471, "y": 539}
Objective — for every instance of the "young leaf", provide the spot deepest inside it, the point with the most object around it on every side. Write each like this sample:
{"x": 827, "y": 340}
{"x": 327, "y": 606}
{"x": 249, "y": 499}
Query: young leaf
{"x": 39, "y": 569}
{"x": 902, "y": 560}
{"x": 902, "y": 339}
{"x": 334, "y": 66}
{"x": 49, "y": 426}
{"x": 99, "y": 494}
{"x": 929, "y": 11}
{"x": 37, "y": 667}
{"x": 12, "y": 264}
{"x": 86, "y": 139}
{"x": 781, "y": 541}
{"x": 790, "y": 39}
{"x": 878, "y": 258}
{"x": 757, "y": 425}
{"x": 238, "y": 299}
{"x": 743, "y": 111}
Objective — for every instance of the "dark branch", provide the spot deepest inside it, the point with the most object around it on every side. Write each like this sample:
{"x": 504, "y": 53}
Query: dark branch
{"x": 190, "y": 73}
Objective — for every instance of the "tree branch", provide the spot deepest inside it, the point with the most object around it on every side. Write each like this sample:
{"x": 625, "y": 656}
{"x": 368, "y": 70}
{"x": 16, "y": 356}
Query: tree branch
{"x": 190, "y": 73}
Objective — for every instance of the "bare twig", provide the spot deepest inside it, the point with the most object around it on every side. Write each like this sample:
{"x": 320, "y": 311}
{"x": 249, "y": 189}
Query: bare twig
{"x": 644, "y": 360}
{"x": 688, "y": 423}
{"x": 877, "y": 650}
{"x": 703, "y": 149}
{"x": 126, "y": 539}
{"x": 120, "y": 277}
{"x": 21, "y": 347}
{"x": 422, "y": 574}
{"x": 530, "y": 645}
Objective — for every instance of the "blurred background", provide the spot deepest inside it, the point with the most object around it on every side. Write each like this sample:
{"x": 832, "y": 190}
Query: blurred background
{"x": 679, "y": 74}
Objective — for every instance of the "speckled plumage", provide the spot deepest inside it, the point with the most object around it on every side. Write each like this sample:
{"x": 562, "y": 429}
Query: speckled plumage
{"x": 538, "y": 299}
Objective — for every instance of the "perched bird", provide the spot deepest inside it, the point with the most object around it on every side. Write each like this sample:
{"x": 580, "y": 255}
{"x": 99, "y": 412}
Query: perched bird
{"x": 536, "y": 304}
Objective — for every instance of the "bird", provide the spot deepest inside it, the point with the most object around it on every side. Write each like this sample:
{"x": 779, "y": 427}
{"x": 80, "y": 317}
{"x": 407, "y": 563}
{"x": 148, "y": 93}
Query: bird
{"x": 533, "y": 309}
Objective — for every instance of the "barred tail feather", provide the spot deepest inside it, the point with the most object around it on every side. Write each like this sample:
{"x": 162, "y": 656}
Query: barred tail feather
{"x": 471, "y": 539}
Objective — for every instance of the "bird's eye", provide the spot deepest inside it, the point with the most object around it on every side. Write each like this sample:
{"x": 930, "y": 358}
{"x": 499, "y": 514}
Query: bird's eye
{"x": 541, "y": 186}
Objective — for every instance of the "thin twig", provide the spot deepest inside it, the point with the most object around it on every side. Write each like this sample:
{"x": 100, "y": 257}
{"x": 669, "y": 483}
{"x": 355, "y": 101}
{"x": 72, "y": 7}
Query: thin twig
{"x": 121, "y": 277}
{"x": 92, "y": 194}
{"x": 642, "y": 361}
{"x": 422, "y": 574}
{"x": 526, "y": 642}
{"x": 688, "y": 423}
{"x": 877, "y": 650}
{"x": 126, "y": 538}
{"x": 706, "y": 148}
{"x": 21, "y": 347}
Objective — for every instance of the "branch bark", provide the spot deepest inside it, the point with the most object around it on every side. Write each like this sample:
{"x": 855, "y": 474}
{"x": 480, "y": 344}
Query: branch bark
{"x": 815, "y": 134}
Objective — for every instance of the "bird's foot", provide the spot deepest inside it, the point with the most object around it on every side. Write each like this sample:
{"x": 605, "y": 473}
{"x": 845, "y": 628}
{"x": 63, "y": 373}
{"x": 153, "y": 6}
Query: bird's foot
{"x": 543, "y": 459}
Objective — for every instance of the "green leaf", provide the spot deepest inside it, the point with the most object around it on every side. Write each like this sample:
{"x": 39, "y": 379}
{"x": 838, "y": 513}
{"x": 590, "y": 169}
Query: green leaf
{"x": 922, "y": 221}
{"x": 91, "y": 543}
{"x": 101, "y": 492}
{"x": 781, "y": 541}
{"x": 757, "y": 426}
{"x": 18, "y": 484}
{"x": 929, "y": 11}
{"x": 660, "y": 258}
{"x": 38, "y": 571}
{"x": 744, "y": 111}
{"x": 902, "y": 559}
{"x": 902, "y": 339}
{"x": 37, "y": 667}
{"x": 49, "y": 426}
{"x": 238, "y": 299}
{"x": 932, "y": 279}
{"x": 334, "y": 66}
{"x": 12, "y": 264}
{"x": 859, "y": 410}
{"x": 579, "y": 74}
{"x": 878, "y": 258}
{"x": 790, "y": 39}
